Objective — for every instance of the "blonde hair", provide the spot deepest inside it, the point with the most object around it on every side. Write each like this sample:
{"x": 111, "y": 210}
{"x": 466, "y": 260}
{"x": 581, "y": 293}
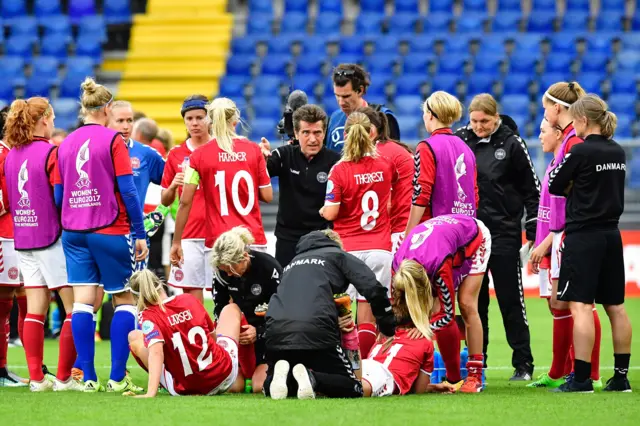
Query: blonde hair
{"x": 446, "y": 108}
{"x": 22, "y": 119}
{"x": 596, "y": 111}
{"x": 223, "y": 113}
{"x": 94, "y": 97}
{"x": 412, "y": 295}
{"x": 484, "y": 102}
{"x": 231, "y": 246}
{"x": 333, "y": 236}
{"x": 565, "y": 92}
{"x": 148, "y": 287}
{"x": 358, "y": 142}
{"x": 121, "y": 104}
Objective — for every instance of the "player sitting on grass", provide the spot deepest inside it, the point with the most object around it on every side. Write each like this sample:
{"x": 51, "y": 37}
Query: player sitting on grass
{"x": 177, "y": 344}
{"x": 403, "y": 364}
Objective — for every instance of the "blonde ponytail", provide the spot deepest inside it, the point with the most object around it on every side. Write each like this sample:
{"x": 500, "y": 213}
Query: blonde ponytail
{"x": 596, "y": 111}
{"x": 223, "y": 113}
{"x": 148, "y": 287}
{"x": 358, "y": 142}
{"x": 412, "y": 295}
{"x": 230, "y": 247}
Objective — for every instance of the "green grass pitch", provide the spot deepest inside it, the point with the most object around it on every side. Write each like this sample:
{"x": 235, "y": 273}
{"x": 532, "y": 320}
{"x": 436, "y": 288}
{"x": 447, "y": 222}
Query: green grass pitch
{"x": 502, "y": 403}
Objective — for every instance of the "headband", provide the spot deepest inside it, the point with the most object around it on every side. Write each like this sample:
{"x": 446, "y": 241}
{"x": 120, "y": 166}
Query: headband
{"x": 431, "y": 111}
{"x": 137, "y": 293}
{"x": 192, "y": 104}
{"x": 556, "y": 100}
{"x": 102, "y": 106}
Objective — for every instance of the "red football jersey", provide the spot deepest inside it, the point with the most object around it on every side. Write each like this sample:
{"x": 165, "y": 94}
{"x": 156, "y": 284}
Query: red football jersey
{"x": 363, "y": 190}
{"x": 401, "y": 187}
{"x": 230, "y": 183}
{"x": 196, "y": 225}
{"x": 405, "y": 359}
{"x": 6, "y": 223}
{"x": 198, "y": 365}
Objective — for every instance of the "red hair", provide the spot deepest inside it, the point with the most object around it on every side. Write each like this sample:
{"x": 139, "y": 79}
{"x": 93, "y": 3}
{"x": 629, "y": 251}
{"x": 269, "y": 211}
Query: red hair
{"x": 22, "y": 119}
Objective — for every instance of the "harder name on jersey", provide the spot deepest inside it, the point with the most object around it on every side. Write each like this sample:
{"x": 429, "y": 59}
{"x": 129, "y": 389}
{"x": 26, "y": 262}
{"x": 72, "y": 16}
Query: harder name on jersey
{"x": 180, "y": 317}
{"x": 369, "y": 178}
{"x": 225, "y": 157}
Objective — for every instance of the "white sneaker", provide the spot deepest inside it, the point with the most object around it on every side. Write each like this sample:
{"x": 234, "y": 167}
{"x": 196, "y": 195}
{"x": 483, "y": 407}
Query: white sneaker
{"x": 43, "y": 386}
{"x": 305, "y": 387}
{"x": 278, "y": 388}
{"x": 69, "y": 385}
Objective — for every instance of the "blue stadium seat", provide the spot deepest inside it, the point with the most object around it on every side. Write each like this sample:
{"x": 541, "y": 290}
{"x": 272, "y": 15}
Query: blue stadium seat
{"x": 381, "y": 62}
{"x": 471, "y": 23}
{"x": 346, "y": 58}
{"x": 402, "y": 23}
{"x": 445, "y": 82}
{"x": 547, "y": 79}
{"x": 524, "y": 62}
{"x": 418, "y": 64}
{"x": 334, "y": 6}
{"x": 437, "y": 22}
{"x": 617, "y": 5}
{"x": 45, "y": 68}
{"x": 595, "y": 62}
{"x": 24, "y": 27}
{"x": 19, "y": 46}
{"x": 480, "y": 83}
{"x": 456, "y": 44}
{"x": 572, "y": 6}
{"x": 94, "y": 25}
{"x": 6, "y": 93}
{"x": 328, "y": 23}
{"x": 293, "y": 23}
{"x": 541, "y": 22}
{"x": 380, "y": 78}
{"x": 421, "y": 44}
{"x": 306, "y": 82}
{"x": 559, "y": 62}
{"x": 314, "y": 45}
{"x": 628, "y": 61}
{"x": 609, "y": 21}
{"x": 489, "y": 62}
{"x": 591, "y": 82}
{"x": 411, "y": 84}
{"x": 492, "y": 44}
{"x": 117, "y": 11}
{"x": 407, "y": 6}
{"x": 406, "y": 105}
{"x": 79, "y": 9}
{"x": 54, "y": 45}
{"x": 506, "y": 21}
{"x": 474, "y": 6}
{"x": 266, "y": 85}
{"x": 409, "y": 125}
{"x": 624, "y": 82}
{"x": 376, "y": 99}
{"x": 509, "y": 5}
{"x": 635, "y": 22}
{"x": 310, "y": 63}
{"x": 261, "y": 6}
{"x": 369, "y": 23}
{"x": 240, "y": 64}
{"x": 243, "y": 45}
{"x": 281, "y": 44}
{"x": 630, "y": 41}
{"x": 353, "y": 45}
{"x": 634, "y": 179}
{"x": 453, "y": 64}
{"x": 600, "y": 42}
{"x": 563, "y": 43}
{"x": 37, "y": 86}
{"x": 265, "y": 107}
{"x": 441, "y": 6}
{"x": 529, "y": 43}
{"x": 91, "y": 47}
{"x": 12, "y": 70}
{"x": 298, "y": 6}
{"x": 624, "y": 129}
{"x": 58, "y": 25}
{"x": 575, "y": 21}
{"x": 232, "y": 86}
{"x": 44, "y": 8}
{"x": 276, "y": 65}
{"x": 13, "y": 9}
{"x": 70, "y": 85}
{"x": 372, "y": 6}
{"x": 515, "y": 104}
{"x": 387, "y": 44}
{"x": 80, "y": 65}
{"x": 259, "y": 24}
{"x": 623, "y": 103}
{"x": 65, "y": 109}
{"x": 263, "y": 127}
{"x": 516, "y": 84}
{"x": 543, "y": 6}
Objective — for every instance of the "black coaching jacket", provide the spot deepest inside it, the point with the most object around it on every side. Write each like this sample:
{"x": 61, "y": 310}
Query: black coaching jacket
{"x": 507, "y": 183}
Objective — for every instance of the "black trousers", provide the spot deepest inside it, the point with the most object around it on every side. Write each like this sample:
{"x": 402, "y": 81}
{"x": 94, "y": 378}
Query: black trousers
{"x": 507, "y": 281}
{"x": 331, "y": 369}
{"x": 285, "y": 251}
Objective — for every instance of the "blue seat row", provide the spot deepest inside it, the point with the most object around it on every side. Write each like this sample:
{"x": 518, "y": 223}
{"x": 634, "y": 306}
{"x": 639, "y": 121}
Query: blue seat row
{"x": 114, "y": 11}
{"x": 31, "y": 28}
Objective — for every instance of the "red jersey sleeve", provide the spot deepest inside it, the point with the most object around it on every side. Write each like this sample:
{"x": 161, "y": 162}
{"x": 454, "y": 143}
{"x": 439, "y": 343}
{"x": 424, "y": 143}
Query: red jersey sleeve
{"x": 424, "y": 175}
{"x": 121, "y": 159}
{"x": 475, "y": 188}
{"x": 573, "y": 141}
{"x": 150, "y": 331}
{"x": 263, "y": 175}
{"x": 52, "y": 167}
{"x": 334, "y": 186}
{"x": 427, "y": 363}
{"x": 169, "y": 171}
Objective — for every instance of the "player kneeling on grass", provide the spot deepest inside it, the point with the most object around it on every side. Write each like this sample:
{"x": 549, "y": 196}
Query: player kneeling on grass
{"x": 403, "y": 364}
{"x": 454, "y": 252}
{"x": 177, "y": 344}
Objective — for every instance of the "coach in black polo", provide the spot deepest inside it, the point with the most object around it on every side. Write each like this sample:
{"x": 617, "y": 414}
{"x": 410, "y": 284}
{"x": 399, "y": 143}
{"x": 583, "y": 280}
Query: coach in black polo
{"x": 302, "y": 169}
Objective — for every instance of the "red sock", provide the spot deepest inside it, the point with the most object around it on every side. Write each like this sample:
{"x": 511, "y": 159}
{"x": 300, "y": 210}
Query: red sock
{"x": 67, "y": 350}
{"x": 367, "y": 335}
{"x": 22, "y": 314}
{"x": 246, "y": 356}
{"x": 474, "y": 366}
{"x": 562, "y": 339}
{"x": 5, "y": 313}
{"x": 34, "y": 345}
{"x": 448, "y": 339}
{"x": 595, "y": 354}
{"x": 568, "y": 367}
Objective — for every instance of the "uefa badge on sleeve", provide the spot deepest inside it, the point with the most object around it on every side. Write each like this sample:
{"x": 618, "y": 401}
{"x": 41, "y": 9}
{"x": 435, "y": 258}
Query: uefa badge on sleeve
{"x": 147, "y": 327}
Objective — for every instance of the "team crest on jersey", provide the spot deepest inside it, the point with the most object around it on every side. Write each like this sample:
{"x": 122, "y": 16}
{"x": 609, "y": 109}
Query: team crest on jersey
{"x": 179, "y": 275}
{"x": 500, "y": 154}
{"x": 147, "y": 327}
{"x": 13, "y": 273}
{"x": 222, "y": 343}
{"x": 135, "y": 162}
{"x": 256, "y": 289}
{"x": 322, "y": 177}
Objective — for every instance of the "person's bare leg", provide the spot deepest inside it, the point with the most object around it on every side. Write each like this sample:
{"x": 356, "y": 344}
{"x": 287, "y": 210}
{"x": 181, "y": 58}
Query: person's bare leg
{"x": 259, "y": 376}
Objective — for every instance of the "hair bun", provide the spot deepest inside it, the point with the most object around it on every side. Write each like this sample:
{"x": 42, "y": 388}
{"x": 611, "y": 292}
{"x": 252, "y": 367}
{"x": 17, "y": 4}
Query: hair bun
{"x": 89, "y": 86}
{"x": 571, "y": 85}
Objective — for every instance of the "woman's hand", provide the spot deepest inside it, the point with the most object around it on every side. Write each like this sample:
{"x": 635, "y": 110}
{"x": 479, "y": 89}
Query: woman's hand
{"x": 247, "y": 335}
{"x": 175, "y": 256}
{"x": 414, "y": 334}
{"x": 346, "y": 323}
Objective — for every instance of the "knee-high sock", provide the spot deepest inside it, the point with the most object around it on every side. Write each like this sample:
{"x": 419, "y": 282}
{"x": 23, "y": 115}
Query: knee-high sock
{"x": 367, "y": 337}
{"x": 22, "y": 314}
{"x": 595, "y": 354}
{"x": 569, "y": 366}
{"x": 77, "y": 363}
{"x": 562, "y": 339}
{"x": 246, "y": 356}
{"x": 34, "y": 345}
{"x": 448, "y": 338}
{"x": 5, "y": 313}
{"x": 66, "y": 351}
{"x": 474, "y": 366}
{"x": 82, "y": 328}
{"x": 123, "y": 323}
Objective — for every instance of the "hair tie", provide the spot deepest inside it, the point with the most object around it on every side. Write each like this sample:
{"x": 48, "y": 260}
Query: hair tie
{"x": 102, "y": 106}
{"x": 571, "y": 85}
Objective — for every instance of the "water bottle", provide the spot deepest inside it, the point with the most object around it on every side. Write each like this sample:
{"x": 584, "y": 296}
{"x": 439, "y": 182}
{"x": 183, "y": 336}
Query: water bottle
{"x": 438, "y": 368}
{"x": 464, "y": 357}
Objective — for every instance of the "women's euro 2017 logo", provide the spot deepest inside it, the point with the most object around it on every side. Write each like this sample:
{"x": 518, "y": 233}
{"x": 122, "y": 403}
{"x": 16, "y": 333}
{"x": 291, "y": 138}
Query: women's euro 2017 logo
{"x": 23, "y": 177}
{"x": 82, "y": 158}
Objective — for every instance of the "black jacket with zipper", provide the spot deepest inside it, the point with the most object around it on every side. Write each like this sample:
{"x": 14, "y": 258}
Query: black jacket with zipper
{"x": 302, "y": 314}
{"x": 507, "y": 183}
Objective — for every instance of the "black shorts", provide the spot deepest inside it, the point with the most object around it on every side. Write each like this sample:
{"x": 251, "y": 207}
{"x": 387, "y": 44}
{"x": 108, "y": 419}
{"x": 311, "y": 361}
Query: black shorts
{"x": 260, "y": 350}
{"x": 592, "y": 268}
